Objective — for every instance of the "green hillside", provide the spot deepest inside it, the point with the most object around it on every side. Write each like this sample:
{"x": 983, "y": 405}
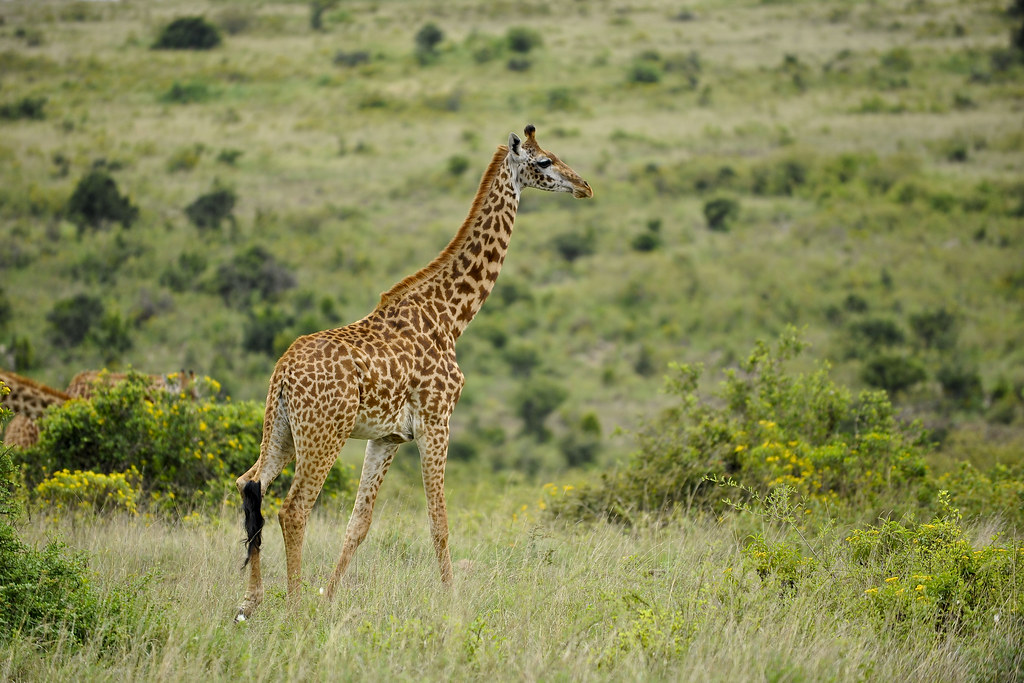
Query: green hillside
{"x": 853, "y": 169}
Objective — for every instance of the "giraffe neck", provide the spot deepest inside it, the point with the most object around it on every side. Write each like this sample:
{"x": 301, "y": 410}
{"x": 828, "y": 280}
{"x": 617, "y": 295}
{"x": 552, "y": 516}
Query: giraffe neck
{"x": 453, "y": 287}
{"x": 28, "y": 397}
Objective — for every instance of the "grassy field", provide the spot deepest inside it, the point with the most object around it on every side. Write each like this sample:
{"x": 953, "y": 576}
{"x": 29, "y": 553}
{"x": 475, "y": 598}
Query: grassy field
{"x": 866, "y": 159}
{"x": 532, "y": 600}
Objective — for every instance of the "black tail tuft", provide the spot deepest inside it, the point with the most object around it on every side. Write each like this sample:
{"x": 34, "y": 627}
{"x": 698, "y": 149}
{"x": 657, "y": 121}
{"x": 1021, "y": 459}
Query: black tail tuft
{"x": 252, "y": 498}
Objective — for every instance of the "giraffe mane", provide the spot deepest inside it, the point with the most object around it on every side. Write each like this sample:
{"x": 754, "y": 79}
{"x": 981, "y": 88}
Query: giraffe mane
{"x": 13, "y": 380}
{"x": 404, "y": 286}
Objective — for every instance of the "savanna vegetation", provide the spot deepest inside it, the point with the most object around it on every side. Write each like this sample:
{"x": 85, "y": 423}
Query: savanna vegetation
{"x": 754, "y": 411}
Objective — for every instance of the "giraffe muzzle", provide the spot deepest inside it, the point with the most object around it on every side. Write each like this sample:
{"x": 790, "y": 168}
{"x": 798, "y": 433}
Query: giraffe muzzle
{"x": 583, "y": 192}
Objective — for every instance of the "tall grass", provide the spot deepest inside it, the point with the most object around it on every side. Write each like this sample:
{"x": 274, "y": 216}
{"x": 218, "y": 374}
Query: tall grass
{"x": 533, "y": 599}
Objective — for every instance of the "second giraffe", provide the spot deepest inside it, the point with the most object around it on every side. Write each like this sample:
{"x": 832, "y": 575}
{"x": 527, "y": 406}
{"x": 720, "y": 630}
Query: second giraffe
{"x": 390, "y": 377}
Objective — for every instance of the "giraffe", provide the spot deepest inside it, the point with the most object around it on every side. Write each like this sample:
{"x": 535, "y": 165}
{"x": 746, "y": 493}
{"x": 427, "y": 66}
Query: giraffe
{"x": 28, "y": 400}
{"x": 83, "y": 385}
{"x": 389, "y": 378}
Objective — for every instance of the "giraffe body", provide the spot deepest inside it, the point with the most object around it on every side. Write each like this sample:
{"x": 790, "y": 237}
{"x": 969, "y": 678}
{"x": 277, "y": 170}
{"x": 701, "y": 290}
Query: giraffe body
{"x": 28, "y": 400}
{"x": 389, "y": 378}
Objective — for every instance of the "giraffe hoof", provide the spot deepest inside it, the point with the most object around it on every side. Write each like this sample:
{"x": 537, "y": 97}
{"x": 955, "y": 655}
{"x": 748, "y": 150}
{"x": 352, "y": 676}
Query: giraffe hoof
{"x": 240, "y": 617}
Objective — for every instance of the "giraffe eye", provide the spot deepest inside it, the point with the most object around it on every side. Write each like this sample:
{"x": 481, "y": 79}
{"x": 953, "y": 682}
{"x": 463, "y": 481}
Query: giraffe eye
{"x": 544, "y": 163}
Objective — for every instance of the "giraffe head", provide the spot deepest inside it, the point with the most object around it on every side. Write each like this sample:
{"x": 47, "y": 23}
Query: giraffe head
{"x": 536, "y": 167}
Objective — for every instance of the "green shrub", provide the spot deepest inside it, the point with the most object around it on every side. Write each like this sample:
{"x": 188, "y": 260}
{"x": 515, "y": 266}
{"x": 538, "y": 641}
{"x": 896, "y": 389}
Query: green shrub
{"x": 71, "y": 320}
{"x": 188, "y": 33}
{"x": 186, "y": 93}
{"x": 316, "y": 12}
{"x": 535, "y": 400}
{"x": 97, "y": 201}
{"x": 519, "y": 64}
{"x": 522, "y": 39}
{"x": 188, "y": 452}
{"x": 767, "y": 428}
{"x": 262, "y": 327}
{"x": 892, "y": 373}
{"x": 186, "y": 273}
{"x": 26, "y": 108}
{"x": 209, "y": 210}
{"x": 933, "y": 574}
{"x": 74, "y": 492}
{"x": 877, "y": 332}
{"x": 47, "y": 595}
{"x": 961, "y": 384}
{"x": 251, "y": 272}
{"x": 644, "y": 71}
{"x": 574, "y": 245}
{"x": 935, "y": 329}
{"x": 720, "y": 212}
{"x": 427, "y": 39}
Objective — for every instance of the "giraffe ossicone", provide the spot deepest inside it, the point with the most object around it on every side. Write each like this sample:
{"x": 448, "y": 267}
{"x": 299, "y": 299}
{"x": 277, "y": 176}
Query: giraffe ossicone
{"x": 389, "y": 378}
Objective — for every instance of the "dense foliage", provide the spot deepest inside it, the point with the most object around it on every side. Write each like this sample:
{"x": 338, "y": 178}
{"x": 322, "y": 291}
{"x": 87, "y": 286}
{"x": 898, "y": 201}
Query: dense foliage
{"x": 770, "y": 426}
{"x": 132, "y": 441}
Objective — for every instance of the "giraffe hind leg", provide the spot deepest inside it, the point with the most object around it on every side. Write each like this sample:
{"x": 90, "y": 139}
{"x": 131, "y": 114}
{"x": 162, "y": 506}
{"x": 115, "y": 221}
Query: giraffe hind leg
{"x": 276, "y": 451}
{"x": 379, "y": 455}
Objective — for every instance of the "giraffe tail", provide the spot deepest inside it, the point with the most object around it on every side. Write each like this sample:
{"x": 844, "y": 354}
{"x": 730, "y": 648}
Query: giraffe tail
{"x": 252, "y": 498}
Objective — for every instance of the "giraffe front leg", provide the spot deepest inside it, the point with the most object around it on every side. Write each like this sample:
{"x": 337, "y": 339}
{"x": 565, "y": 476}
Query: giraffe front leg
{"x": 375, "y": 465}
{"x": 433, "y": 445}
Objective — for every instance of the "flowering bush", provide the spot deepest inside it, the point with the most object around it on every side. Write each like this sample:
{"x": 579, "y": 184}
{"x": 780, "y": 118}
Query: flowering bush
{"x": 182, "y": 451}
{"x": 767, "y": 428}
{"x": 933, "y": 572}
{"x": 90, "y": 491}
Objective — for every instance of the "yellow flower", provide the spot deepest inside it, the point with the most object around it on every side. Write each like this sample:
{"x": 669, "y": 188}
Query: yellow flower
{"x": 892, "y": 578}
{"x": 920, "y": 587}
{"x": 871, "y": 591}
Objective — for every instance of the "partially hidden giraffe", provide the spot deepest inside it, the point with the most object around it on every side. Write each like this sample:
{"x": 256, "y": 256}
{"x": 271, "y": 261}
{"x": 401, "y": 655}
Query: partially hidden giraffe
{"x": 389, "y": 378}
{"x": 28, "y": 400}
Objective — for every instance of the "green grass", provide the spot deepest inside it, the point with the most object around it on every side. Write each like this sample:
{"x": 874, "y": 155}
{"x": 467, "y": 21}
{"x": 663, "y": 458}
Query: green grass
{"x": 532, "y": 600}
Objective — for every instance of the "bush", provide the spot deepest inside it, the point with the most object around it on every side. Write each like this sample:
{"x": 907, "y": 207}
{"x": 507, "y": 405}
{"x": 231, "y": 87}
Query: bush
{"x": 932, "y": 574}
{"x": 962, "y": 385}
{"x": 876, "y": 332}
{"x": 188, "y": 33}
{"x": 210, "y": 209}
{"x": 519, "y": 64}
{"x": 252, "y": 272}
{"x": 185, "y": 274}
{"x": 186, "y": 93}
{"x": 25, "y": 108}
{"x": 40, "y": 591}
{"x": 427, "y": 39}
{"x": 522, "y": 39}
{"x": 893, "y": 373}
{"x": 936, "y": 329}
{"x": 767, "y": 428}
{"x": 187, "y": 452}
{"x": 262, "y": 327}
{"x": 574, "y": 245}
{"x": 342, "y": 58}
{"x": 644, "y": 71}
{"x": 720, "y": 212}
{"x": 97, "y": 201}
{"x": 535, "y": 400}
{"x": 71, "y": 320}
{"x": 79, "y": 491}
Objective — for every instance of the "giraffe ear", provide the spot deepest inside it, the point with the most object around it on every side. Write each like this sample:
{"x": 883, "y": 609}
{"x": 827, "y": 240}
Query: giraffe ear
{"x": 514, "y": 145}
